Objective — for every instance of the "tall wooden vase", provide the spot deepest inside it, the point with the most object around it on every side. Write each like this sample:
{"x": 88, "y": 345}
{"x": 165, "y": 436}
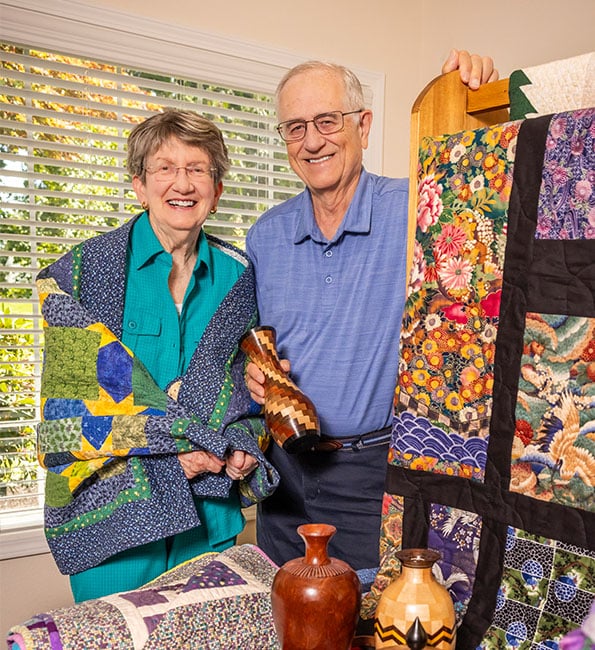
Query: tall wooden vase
{"x": 316, "y": 598}
{"x": 415, "y": 611}
{"x": 290, "y": 415}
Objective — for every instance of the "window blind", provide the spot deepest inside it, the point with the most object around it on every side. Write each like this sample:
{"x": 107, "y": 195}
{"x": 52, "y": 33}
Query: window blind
{"x": 63, "y": 127}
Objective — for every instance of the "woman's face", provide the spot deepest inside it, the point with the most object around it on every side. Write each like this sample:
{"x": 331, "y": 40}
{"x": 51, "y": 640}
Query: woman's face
{"x": 180, "y": 204}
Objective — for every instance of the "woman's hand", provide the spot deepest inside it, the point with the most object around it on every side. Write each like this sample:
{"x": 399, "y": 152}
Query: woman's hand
{"x": 239, "y": 465}
{"x": 199, "y": 462}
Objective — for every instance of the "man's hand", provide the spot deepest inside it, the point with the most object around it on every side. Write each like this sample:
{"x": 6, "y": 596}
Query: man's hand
{"x": 255, "y": 380}
{"x": 199, "y": 462}
{"x": 474, "y": 69}
{"x": 239, "y": 465}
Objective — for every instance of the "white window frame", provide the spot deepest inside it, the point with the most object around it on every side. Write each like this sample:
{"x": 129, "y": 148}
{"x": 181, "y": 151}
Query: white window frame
{"x": 76, "y": 28}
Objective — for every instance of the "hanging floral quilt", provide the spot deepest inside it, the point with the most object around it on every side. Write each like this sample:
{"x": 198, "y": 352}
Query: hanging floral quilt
{"x": 492, "y": 458}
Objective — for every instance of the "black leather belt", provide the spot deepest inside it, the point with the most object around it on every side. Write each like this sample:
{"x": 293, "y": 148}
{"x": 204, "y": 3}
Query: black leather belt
{"x": 354, "y": 443}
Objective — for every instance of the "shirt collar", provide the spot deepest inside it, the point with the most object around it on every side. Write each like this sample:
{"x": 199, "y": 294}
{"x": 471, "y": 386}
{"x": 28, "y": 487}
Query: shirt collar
{"x": 357, "y": 219}
{"x": 145, "y": 247}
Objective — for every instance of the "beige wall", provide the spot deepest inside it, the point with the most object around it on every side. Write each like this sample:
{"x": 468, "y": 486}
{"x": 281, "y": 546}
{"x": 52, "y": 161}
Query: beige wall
{"x": 408, "y": 42}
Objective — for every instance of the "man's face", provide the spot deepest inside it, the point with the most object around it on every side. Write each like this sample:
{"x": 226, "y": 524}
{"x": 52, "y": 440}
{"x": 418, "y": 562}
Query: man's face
{"x": 326, "y": 163}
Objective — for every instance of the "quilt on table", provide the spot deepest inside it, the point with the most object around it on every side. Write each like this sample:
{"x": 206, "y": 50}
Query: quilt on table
{"x": 217, "y": 601}
{"x": 492, "y": 457}
{"x": 567, "y": 84}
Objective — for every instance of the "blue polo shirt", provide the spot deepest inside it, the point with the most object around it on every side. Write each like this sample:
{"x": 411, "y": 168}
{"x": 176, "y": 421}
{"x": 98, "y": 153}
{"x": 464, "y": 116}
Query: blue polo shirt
{"x": 165, "y": 340}
{"x": 337, "y": 305}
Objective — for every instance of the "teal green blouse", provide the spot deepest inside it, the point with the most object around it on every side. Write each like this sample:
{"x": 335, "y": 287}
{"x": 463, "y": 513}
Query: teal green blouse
{"x": 164, "y": 340}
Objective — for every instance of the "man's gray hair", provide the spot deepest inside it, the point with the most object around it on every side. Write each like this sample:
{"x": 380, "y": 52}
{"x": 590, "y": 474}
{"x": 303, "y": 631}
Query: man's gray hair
{"x": 353, "y": 88}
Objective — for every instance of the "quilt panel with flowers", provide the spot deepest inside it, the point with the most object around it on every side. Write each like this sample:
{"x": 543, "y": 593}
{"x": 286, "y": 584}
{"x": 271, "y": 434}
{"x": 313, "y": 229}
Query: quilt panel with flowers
{"x": 448, "y": 339}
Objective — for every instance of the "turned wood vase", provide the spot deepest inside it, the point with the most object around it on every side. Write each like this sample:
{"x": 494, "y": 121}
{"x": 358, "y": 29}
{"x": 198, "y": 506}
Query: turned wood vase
{"x": 316, "y": 598}
{"x": 290, "y": 416}
{"x": 415, "y": 611}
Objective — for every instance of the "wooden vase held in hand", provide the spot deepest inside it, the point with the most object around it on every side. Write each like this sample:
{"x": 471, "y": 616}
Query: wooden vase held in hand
{"x": 415, "y": 611}
{"x": 316, "y": 598}
{"x": 289, "y": 415}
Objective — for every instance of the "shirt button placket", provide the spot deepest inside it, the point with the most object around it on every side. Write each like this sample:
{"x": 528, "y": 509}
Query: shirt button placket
{"x": 328, "y": 253}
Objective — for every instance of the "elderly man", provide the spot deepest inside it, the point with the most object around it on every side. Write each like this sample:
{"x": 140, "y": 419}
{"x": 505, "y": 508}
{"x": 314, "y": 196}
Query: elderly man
{"x": 330, "y": 274}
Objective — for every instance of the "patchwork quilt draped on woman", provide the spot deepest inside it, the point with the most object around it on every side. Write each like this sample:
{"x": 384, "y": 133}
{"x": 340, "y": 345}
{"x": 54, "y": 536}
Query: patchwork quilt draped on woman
{"x": 492, "y": 458}
{"x": 108, "y": 428}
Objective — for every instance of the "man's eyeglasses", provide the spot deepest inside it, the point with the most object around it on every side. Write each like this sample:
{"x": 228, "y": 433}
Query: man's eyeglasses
{"x": 325, "y": 123}
{"x": 167, "y": 171}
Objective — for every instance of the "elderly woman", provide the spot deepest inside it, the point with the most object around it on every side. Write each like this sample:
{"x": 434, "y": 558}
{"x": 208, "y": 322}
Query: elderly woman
{"x": 146, "y": 425}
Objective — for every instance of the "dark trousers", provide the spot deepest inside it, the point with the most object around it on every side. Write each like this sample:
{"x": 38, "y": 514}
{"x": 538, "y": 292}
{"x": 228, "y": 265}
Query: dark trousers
{"x": 342, "y": 488}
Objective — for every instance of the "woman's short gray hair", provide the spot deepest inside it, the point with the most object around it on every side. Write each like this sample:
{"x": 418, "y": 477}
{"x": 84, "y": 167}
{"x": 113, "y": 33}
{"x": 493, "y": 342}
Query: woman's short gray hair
{"x": 189, "y": 127}
{"x": 353, "y": 88}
